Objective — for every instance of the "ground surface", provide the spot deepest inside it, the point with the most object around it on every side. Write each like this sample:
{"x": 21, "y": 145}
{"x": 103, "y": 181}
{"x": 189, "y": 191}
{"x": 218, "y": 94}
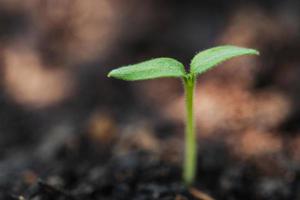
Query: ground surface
{"x": 78, "y": 170}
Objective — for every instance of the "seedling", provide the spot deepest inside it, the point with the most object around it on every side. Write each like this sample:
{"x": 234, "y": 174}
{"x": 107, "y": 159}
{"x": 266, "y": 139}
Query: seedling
{"x": 169, "y": 67}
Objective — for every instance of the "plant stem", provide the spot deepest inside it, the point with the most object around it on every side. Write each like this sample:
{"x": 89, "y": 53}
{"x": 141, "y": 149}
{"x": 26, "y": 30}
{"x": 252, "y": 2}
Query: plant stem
{"x": 190, "y": 160}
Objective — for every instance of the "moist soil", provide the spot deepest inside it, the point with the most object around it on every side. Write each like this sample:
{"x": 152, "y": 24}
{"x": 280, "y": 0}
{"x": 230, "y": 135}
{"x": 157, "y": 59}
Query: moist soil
{"x": 80, "y": 169}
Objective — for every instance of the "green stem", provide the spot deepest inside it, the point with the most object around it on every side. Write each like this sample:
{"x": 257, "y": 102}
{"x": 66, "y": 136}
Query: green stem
{"x": 190, "y": 161}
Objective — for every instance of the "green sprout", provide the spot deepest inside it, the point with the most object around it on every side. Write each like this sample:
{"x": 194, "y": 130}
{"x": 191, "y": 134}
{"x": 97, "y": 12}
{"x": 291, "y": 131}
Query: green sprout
{"x": 169, "y": 67}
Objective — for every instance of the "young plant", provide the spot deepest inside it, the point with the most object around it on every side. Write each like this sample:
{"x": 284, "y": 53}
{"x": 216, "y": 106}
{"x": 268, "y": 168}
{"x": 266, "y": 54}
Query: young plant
{"x": 169, "y": 67}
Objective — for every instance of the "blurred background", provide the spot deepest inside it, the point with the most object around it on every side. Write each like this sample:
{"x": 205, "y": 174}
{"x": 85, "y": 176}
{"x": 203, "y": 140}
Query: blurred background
{"x": 54, "y": 92}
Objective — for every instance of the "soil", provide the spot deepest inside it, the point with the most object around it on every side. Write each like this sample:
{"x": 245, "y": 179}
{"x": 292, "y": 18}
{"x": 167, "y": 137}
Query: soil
{"x": 82, "y": 169}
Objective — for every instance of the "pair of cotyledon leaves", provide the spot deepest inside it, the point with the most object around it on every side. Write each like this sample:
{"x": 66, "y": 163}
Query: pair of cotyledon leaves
{"x": 169, "y": 67}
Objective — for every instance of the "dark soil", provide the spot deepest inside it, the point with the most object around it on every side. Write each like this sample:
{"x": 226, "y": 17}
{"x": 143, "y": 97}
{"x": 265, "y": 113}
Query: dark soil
{"x": 80, "y": 169}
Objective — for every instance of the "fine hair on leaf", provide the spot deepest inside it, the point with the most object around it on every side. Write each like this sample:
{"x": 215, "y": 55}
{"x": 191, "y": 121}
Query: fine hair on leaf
{"x": 154, "y": 68}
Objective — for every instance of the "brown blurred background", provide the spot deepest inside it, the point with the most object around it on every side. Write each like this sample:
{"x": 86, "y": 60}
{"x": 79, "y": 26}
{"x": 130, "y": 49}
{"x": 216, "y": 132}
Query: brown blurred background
{"x": 55, "y": 55}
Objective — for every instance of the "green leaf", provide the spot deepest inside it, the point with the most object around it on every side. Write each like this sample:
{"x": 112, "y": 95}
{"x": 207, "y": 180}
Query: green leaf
{"x": 209, "y": 58}
{"x": 155, "y": 68}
